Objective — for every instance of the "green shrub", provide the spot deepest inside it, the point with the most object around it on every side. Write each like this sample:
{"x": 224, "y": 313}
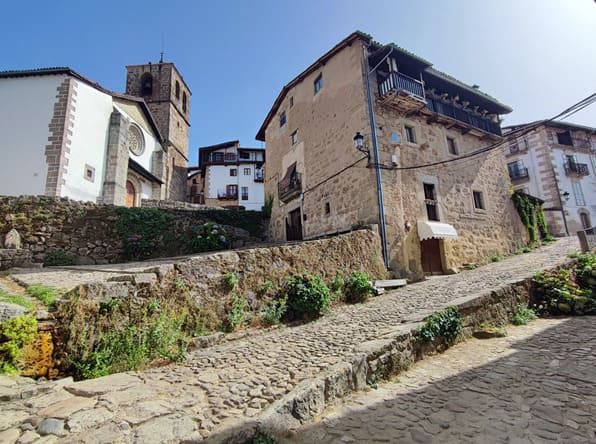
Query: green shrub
{"x": 209, "y": 237}
{"x": 43, "y": 293}
{"x": 523, "y": 315}
{"x": 585, "y": 270}
{"x": 262, "y": 437}
{"x": 231, "y": 280}
{"x": 143, "y": 231}
{"x": 556, "y": 293}
{"x": 58, "y": 258}
{"x": 273, "y": 312}
{"x": 358, "y": 287}
{"x": 307, "y": 296}
{"x": 446, "y": 324}
{"x": 496, "y": 258}
{"x": 236, "y": 314}
{"x": 268, "y": 206}
{"x": 337, "y": 287}
{"x": 15, "y": 334}
{"x": 157, "y": 336}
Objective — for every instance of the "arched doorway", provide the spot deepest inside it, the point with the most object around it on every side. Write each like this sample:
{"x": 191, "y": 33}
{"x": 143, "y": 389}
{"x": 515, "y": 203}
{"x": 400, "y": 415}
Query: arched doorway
{"x": 130, "y": 194}
{"x": 585, "y": 218}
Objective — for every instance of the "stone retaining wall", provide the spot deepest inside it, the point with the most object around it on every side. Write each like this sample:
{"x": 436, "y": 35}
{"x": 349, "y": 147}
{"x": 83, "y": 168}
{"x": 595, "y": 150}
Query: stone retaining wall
{"x": 87, "y": 232}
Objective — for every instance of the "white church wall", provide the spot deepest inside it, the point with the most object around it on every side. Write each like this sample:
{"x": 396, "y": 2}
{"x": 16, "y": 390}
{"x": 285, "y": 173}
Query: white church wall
{"x": 89, "y": 142}
{"x": 146, "y": 190}
{"x": 151, "y": 143}
{"x": 26, "y": 108}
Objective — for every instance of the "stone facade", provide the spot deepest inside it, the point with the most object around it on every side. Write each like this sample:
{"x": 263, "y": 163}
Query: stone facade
{"x": 169, "y": 102}
{"x": 545, "y": 167}
{"x": 311, "y": 128}
{"x": 60, "y": 128}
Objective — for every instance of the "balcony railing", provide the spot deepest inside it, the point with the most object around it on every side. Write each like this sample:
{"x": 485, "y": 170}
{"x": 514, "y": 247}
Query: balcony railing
{"x": 259, "y": 175}
{"x": 221, "y": 158}
{"x": 289, "y": 189}
{"x": 518, "y": 173}
{"x": 580, "y": 169}
{"x": 227, "y": 195}
{"x": 396, "y": 82}
{"x": 463, "y": 116}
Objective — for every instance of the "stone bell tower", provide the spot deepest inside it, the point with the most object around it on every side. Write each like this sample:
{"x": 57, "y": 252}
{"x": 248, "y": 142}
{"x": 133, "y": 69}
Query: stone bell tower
{"x": 168, "y": 98}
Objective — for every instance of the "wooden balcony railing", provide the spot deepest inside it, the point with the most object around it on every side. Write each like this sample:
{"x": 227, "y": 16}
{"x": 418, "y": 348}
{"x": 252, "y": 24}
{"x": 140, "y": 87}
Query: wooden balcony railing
{"x": 396, "y": 81}
{"x": 580, "y": 169}
{"x": 289, "y": 189}
{"x": 463, "y": 115}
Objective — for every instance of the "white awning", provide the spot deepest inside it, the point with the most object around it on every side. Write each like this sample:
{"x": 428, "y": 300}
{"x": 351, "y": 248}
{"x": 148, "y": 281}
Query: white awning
{"x": 438, "y": 230}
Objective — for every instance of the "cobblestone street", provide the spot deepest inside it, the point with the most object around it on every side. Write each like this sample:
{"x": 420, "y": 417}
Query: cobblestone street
{"x": 536, "y": 385}
{"x": 224, "y": 385}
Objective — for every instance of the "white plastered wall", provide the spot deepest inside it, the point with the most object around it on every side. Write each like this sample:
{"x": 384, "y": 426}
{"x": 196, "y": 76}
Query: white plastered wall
{"x": 26, "y": 109}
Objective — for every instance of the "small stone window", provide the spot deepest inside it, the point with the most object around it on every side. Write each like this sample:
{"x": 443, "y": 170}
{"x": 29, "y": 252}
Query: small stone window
{"x": 410, "y": 135}
{"x": 294, "y": 137}
{"x": 177, "y": 88}
{"x": 146, "y": 84}
{"x": 452, "y": 146}
{"x": 318, "y": 83}
{"x": 184, "y": 102}
{"x": 291, "y": 101}
{"x": 327, "y": 208}
{"x": 478, "y": 200}
{"x": 282, "y": 119}
{"x": 89, "y": 173}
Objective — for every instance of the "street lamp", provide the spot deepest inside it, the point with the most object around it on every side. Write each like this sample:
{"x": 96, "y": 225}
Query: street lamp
{"x": 360, "y": 146}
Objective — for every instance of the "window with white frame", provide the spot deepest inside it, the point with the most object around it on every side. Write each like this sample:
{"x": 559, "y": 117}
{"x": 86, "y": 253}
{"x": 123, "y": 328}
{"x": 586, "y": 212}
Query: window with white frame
{"x": 578, "y": 194}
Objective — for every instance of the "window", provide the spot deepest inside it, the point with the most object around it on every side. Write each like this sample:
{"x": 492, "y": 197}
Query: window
{"x": 451, "y": 145}
{"x": 177, "y": 90}
{"x": 244, "y": 193}
{"x": 247, "y": 172}
{"x": 327, "y": 208}
{"x": 410, "y": 137}
{"x": 184, "y": 101}
{"x": 146, "y": 84}
{"x": 233, "y": 172}
{"x": 294, "y": 137}
{"x": 430, "y": 200}
{"x": 89, "y": 173}
{"x": 564, "y": 138}
{"x": 517, "y": 170}
{"x": 244, "y": 155}
{"x": 578, "y": 194}
{"x": 318, "y": 83}
{"x": 291, "y": 101}
{"x": 136, "y": 141}
{"x": 282, "y": 119}
{"x": 478, "y": 200}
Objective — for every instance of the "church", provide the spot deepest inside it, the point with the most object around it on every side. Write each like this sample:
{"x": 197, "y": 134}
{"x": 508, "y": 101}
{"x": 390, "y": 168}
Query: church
{"x": 64, "y": 135}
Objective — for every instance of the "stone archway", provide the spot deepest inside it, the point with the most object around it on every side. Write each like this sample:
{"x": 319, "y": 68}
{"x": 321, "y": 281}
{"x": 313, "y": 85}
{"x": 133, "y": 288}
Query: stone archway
{"x": 131, "y": 194}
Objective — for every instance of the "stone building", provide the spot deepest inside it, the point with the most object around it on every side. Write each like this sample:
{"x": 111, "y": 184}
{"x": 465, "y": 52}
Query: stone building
{"x": 67, "y": 136}
{"x": 556, "y": 161}
{"x": 232, "y": 176}
{"x": 436, "y": 217}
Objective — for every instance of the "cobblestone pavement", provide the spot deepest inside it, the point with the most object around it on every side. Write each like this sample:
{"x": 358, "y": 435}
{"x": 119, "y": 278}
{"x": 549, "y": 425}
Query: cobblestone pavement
{"x": 536, "y": 385}
{"x": 216, "y": 387}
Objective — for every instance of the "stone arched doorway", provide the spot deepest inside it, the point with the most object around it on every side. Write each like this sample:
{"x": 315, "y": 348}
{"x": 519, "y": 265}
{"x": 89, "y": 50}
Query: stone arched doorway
{"x": 131, "y": 193}
{"x": 585, "y": 220}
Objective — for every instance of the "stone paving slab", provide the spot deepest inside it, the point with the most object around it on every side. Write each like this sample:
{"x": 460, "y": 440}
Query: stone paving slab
{"x": 217, "y": 388}
{"x": 538, "y": 384}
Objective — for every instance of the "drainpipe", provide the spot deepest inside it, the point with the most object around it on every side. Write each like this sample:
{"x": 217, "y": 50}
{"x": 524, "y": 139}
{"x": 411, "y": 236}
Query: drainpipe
{"x": 373, "y": 130}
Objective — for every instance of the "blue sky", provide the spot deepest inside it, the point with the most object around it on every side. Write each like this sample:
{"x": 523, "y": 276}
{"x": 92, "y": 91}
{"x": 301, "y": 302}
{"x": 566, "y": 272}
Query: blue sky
{"x": 538, "y": 56}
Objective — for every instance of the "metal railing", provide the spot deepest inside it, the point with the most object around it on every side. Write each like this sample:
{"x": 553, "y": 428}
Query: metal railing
{"x": 227, "y": 195}
{"x": 396, "y": 81}
{"x": 259, "y": 175}
{"x": 288, "y": 189}
{"x": 463, "y": 116}
{"x": 577, "y": 168}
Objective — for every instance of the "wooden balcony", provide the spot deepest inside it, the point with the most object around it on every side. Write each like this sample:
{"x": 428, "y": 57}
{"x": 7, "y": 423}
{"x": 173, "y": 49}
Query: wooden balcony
{"x": 401, "y": 91}
{"x": 227, "y": 195}
{"x": 290, "y": 189}
{"x": 462, "y": 117}
{"x": 576, "y": 169}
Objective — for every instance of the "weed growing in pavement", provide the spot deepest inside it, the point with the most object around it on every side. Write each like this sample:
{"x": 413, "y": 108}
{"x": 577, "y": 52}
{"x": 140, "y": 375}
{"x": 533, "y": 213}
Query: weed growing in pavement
{"x": 16, "y": 299}
{"x": 496, "y": 258}
{"x": 43, "y": 293}
{"x": 523, "y": 315}
{"x": 236, "y": 315}
{"x": 262, "y": 437}
{"x": 446, "y": 324}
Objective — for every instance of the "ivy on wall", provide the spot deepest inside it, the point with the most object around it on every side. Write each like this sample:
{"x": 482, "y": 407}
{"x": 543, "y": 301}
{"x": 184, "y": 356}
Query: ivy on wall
{"x": 531, "y": 213}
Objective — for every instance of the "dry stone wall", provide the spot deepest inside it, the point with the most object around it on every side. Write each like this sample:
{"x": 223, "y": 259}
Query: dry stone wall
{"x": 88, "y": 233}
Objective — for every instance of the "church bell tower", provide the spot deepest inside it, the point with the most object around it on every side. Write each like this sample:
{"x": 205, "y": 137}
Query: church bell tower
{"x": 168, "y": 98}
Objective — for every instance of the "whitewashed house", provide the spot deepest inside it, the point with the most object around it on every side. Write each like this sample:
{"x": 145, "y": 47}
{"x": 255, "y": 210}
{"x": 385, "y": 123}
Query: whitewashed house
{"x": 64, "y": 135}
{"x": 232, "y": 175}
{"x": 556, "y": 162}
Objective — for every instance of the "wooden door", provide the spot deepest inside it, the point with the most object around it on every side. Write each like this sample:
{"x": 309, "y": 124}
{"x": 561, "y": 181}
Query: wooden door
{"x": 431, "y": 256}
{"x": 294, "y": 225}
{"x": 130, "y": 194}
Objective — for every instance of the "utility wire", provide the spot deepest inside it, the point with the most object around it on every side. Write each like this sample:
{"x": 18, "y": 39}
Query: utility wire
{"x": 335, "y": 175}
